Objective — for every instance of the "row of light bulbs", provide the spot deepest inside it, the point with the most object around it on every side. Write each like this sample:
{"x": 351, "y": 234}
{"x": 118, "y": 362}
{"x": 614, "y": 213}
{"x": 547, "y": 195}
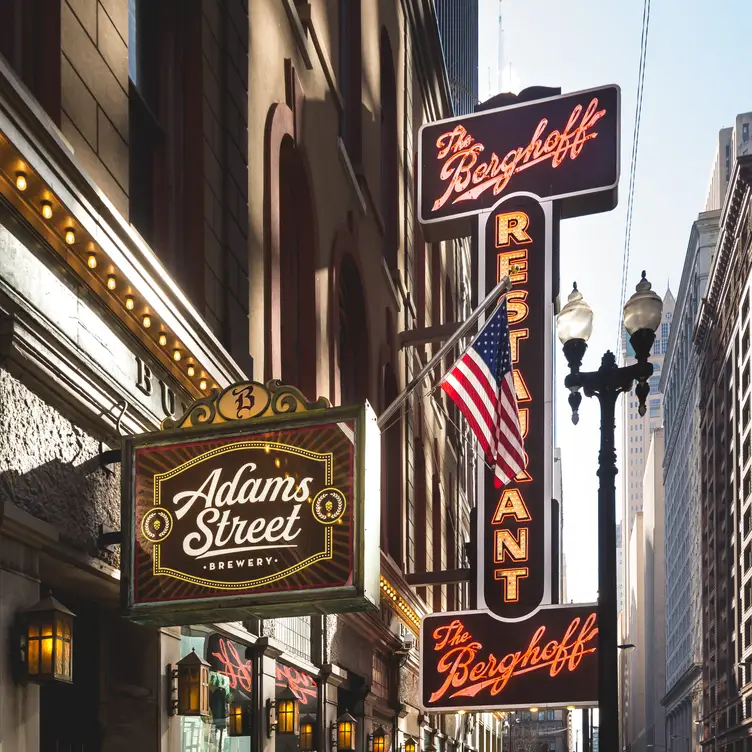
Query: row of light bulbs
{"x": 407, "y": 611}
{"x": 92, "y": 262}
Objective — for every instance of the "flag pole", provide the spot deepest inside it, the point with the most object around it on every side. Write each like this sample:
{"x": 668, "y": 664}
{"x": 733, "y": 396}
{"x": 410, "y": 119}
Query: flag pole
{"x": 503, "y": 286}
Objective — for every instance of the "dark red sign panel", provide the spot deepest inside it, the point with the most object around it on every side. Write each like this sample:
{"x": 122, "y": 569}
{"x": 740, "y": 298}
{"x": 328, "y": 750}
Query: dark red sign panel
{"x": 249, "y": 519}
{"x": 564, "y": 148}
{"x": 472, "y": 661}
{"x": 514, "y": 570}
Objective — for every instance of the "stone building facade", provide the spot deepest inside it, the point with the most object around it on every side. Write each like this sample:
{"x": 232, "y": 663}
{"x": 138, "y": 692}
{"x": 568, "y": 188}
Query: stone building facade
{"x": 194, "y": 193}
{"x": 722, "y": 339}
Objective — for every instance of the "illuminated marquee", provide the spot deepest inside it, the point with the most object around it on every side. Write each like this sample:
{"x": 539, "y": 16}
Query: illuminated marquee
{"x": 514, "y": 554}
{"x": 563, "y": 148}
{"x": 472, "y": 661}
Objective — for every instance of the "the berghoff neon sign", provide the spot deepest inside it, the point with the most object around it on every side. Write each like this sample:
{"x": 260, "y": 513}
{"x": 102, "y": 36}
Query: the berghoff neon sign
{"x": 467, "y": 675}
{"x": 466, "y": 178}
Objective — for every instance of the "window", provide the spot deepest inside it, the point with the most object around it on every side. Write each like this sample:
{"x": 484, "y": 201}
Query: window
{"x": 30, "y": 42}
{"x": 389, "y": 154}
{"x": 664, "y": 331}
{"x": 391, "y": 478}
{"x": 745, "y": 132}
{"x": 297, "y": 272}
{"x": 353, "y": 335}
{"x": 166, "y": 201}
{"x": 654, "y": 408}
{"x": 350, "y": 76}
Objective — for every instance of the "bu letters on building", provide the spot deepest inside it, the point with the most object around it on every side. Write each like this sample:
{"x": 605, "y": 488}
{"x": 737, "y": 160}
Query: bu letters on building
{"x": 263, "y": 517}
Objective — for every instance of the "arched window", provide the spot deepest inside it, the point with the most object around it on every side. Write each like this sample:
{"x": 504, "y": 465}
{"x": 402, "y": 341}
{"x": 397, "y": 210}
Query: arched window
{"x": 389, "y": 160}
{"x": 353, "y": 335}
{"x": 391, "y": 475}
{"x": 297, "y": 272}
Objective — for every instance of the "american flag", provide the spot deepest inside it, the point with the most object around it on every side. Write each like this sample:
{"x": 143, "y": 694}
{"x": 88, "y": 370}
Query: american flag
{"x": 481, "y": 384}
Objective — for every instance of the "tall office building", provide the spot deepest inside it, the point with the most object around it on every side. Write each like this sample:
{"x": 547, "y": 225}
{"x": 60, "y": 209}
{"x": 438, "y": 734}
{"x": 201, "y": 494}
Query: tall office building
{"x": 722, "y": 338}
{"x": 681, "y": 476}
{"x": 458, "y": 28}
{"x": 643, "y": 668}
{"x": 637, "y": 428}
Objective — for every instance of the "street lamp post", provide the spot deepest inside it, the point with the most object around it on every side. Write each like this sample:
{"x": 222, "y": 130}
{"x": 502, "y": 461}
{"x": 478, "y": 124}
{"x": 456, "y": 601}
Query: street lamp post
{"x": 574, "y": 325}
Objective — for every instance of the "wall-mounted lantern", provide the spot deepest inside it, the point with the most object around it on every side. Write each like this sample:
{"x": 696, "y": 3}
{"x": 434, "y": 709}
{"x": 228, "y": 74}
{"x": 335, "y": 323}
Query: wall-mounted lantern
{"x": 307, "y": 737}
{"x": 288, "y": 712}
{"x": 343, "y": 733}
{"x": 378, "y": 741}
{"x": 239, "y": 719}
{"x": 409, "y": 745}
{"x": 190, "y": 681}
{"x": 47, "y": 642}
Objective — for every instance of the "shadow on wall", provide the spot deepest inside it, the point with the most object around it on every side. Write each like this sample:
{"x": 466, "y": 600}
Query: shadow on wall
{"x": 50, "y": 468}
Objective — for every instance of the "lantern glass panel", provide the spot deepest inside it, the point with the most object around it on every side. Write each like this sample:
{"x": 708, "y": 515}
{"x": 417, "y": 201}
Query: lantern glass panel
{"x": 410, "y": 745}
{"x": 47, "y": 646}
{"x": 306, "y": 736}
{"x": 287, "y": 716}
{"x": 345, "y": 736}
{"x": 379, "y": 742}
{"x": 32, "y": 649}
{"x": 238, "y": 721}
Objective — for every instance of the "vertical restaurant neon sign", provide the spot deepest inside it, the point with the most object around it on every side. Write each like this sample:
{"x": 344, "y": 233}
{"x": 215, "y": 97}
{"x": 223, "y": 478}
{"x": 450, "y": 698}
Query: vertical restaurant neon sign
{"x": 514, "y": 555}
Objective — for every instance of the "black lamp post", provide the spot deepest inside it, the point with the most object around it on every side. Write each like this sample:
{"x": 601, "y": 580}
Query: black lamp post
{"x": 574, "y": 324}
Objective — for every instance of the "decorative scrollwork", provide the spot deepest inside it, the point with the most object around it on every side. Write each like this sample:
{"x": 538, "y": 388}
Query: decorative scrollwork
{"x": 289, "y": 399}
{"x": 199, "y": 412}
{"x": 248, "y": 400}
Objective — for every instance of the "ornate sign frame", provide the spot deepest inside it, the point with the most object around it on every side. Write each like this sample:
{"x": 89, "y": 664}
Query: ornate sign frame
{"x": 247, "y": 417}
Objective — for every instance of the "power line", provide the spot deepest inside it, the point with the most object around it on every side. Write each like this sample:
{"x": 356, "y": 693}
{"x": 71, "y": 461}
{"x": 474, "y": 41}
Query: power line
{"x": 633, "y": 164}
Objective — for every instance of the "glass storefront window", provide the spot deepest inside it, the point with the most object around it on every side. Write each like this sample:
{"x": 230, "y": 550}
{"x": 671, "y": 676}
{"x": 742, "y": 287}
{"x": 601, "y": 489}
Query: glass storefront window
{"x": 229, "y": 695}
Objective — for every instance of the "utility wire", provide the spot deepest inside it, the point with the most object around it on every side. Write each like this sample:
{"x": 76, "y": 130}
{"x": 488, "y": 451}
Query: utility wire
{"x": 633, "y": 166}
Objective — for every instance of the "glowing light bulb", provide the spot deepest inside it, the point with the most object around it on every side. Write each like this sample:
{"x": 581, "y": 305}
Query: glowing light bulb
{"x": 202, "y": 384}
{"x": 111, "y": 282}
{"x": 176, "y": 355}
{"x": 91, "y": 261}
{"x": 46, "y": 209}
{"x": 191, "y": 371}
{"x": 70, "y": 236}
{"x": 130, "y": 304}
{"x": 146, "y": 321}
{"x": 162, "y": 339}
{"x": 21, "y": 182}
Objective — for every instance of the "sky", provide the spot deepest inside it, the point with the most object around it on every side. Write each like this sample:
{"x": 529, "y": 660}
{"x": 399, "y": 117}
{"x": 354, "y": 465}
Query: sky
{"x": 695, "y": 84}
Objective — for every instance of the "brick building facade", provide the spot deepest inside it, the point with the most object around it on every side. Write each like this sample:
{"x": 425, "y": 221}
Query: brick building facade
{"x": 216, "y": 190}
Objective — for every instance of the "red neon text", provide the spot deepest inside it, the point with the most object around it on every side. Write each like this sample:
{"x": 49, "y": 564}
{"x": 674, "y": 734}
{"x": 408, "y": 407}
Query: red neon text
{"x": 466, "y": 676}
{"x": 234, "y": 667}
{"x": 301, "y": 685}
{"x": 467, "y": 179}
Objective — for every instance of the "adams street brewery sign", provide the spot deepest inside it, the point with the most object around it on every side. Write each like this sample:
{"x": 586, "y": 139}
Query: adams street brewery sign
{"x": 255, "y": 502}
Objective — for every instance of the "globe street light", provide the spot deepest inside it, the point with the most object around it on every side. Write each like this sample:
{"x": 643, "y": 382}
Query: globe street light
{"x": 574, "y": 325}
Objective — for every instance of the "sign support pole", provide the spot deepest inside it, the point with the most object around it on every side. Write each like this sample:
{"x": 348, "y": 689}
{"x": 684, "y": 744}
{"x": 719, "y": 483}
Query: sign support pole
{"x": 500, "y": 288}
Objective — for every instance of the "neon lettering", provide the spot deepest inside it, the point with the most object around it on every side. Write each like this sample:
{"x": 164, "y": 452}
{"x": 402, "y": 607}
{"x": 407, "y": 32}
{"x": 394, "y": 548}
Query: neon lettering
{"x": 517, "y": 308}
{"x": 506, "y": 543}
{"x": 510, "y": 577}
{"x": 234, "y": 667}
{"x": 512, "y": 504}
{"x": 514, "y": 337}
{"x": 466, "y": 179}
{"x": 504, "y": 262}
{"x": 520, "y": 387}
{"x": 512, "y": 225}
{"x": 302, "y": 685}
